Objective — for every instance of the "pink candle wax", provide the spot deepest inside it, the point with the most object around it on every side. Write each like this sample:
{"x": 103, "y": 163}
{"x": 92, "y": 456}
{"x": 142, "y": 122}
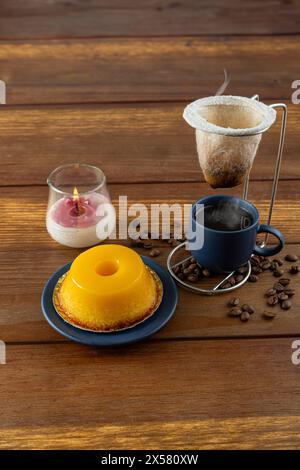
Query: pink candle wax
{"x": 78, "y": 212}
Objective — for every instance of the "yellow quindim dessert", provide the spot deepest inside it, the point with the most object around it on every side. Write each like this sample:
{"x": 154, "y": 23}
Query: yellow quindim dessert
{"x": 108, "y": 287}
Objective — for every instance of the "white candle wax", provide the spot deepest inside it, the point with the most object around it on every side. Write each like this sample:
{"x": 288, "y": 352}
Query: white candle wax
{"x": 72, "y": 221}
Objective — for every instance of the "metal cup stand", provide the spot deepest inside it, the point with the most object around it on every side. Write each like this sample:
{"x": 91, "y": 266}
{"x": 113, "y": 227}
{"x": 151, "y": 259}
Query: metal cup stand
{"x": 217, "y": 289}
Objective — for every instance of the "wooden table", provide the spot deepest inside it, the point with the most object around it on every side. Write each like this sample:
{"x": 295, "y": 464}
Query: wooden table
{"x": 105, "y": 82}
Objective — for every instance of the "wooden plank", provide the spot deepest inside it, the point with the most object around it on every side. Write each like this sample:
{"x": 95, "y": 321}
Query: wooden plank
{"x": 36, "y": 19}
{"x": 148, "y": 69}
{"x": 28, "y": 253}
{"x": 226, "y": 394}
{"x": 129, "y": 142}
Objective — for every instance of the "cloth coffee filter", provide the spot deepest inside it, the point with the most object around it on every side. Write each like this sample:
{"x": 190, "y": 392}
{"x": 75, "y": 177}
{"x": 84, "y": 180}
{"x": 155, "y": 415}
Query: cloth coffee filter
{"x": 228, "y": 133}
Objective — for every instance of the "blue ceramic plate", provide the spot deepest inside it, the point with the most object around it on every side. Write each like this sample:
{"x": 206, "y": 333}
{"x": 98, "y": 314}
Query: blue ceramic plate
{"x": 136, "y": 333}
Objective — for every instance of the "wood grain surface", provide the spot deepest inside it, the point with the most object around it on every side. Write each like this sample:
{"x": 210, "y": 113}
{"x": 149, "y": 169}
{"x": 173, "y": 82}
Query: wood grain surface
{"x": 79, "y": 18}
{"x": 147, "y": 69}
{"x": 191, "y": 394}
{"x": 25, "y": 241}
{"x": 137, "y": 140}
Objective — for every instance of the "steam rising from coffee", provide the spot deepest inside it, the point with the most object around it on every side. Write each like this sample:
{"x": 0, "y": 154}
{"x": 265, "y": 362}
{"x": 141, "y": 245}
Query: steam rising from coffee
{"x": 226, "y": 215}
{"x": 224, "y": 85}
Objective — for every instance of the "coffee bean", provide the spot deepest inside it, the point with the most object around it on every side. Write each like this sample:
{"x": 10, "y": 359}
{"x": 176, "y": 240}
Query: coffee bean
{"x": 253, "y": 278}
{"x": 256, "y": 270}
{"x": 294, "y": 269}
{"x": 245, "y": 316}
{"x": 192, "y": 266}
{"x": 243, "y": 269}
{"x": 238, "y": 278}
{"x": 274, "y": 266}
{"x": 284, "y": 281}
{"x": 226, "y": 285}
{"x": 192, "y": 278}
{"x": 186, "y": 271}
{"x": 185, "y": 264}
{"x": 286, "y": 304}
{"x": 155, "y": 252}
{"x": 255, "y": 260}
{"x": 278, "y": 287}
{"x": 289, "y": 291}
{"x": 282, "y": 296}
{"x": 148, "y": 244}
{"x": 175, "y": 243}
{"x": 234, "y": 301}
{"x": 269, "y": 315}
{"x": 177, "y": 269}
{"x": 180, "y": 276}
{"x": 278, "y": 272}
{"x": 266, "y": 265}
{"x": 291, "y": 258}
{"x": 248, "y": 308}
{"x": 272, "y": 300}
{"x": 197, "y": 272}
{"x": 270, "y": 292}
{"x": 235, "y": 312}
{"x": 231, "y": 281}
{"x": 278, "y": 261}
{"x": 206, "y": 272}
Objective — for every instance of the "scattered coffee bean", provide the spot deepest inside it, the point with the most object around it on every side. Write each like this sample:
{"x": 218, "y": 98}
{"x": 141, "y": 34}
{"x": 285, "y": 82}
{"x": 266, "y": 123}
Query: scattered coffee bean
{"x": 272, "y": 300}
{"x": 206, "y": 272}
{"x": 269, "y": 315}
{"x": 286, "y": 304}
{"x": 148, "y": 244}
{"x": 177, "y": 269}
{"x": 294, "y": 269}
{"x": 234, "y": 301}
{"x": 278, "y": 272}
{"x": 155, "y": 252}
{"x": 282, "y": 296}
{"x": 244, "y": 316}
{"x": 235, "y": 312}
{"x": 193, "y": 266}
{"x": 197, "y": 272}
{"x": 291, "y": 258}
{"x": 253, "y": 278}
{"x": 226, "y": 285}
{"x": 248, "y": 308}
{"x": 238, "y": 278}
{"x": 289, "y": 291}
{"x": 266, "y": 265}
{"x": 192, "y": 278}
{"x": 256, "y": 270}
{"x": 278, "y": 287}
{"x": 185, "y": 264}
{"x": 284, "y": 281}
{"x": 243, "y": 269}
{"x": 278, "y": 261}
{"x": 270, "y": 292}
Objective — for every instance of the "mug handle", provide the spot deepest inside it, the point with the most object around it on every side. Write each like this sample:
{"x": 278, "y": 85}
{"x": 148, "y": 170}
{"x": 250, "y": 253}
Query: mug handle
{"x": 265, "y": 251}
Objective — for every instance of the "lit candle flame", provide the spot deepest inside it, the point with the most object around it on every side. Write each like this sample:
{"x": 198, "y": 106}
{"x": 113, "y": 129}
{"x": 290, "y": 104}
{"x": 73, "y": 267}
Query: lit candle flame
{"x": 76, "y": 200}
{"x": 75, "y": 193}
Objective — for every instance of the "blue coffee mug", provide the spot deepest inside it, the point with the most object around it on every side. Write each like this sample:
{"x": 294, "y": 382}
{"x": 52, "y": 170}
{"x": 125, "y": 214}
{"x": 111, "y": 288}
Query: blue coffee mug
{"x": 224, "y": 251}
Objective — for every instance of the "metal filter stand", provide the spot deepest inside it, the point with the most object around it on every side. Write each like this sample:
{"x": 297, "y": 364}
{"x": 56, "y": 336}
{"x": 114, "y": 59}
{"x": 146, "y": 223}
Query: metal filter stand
{"x": 217, "y": 289}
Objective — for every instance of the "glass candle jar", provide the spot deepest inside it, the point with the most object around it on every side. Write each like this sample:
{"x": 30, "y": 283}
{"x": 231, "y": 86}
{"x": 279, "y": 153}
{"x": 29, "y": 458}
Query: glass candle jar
{"x": 78, "y": 201}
